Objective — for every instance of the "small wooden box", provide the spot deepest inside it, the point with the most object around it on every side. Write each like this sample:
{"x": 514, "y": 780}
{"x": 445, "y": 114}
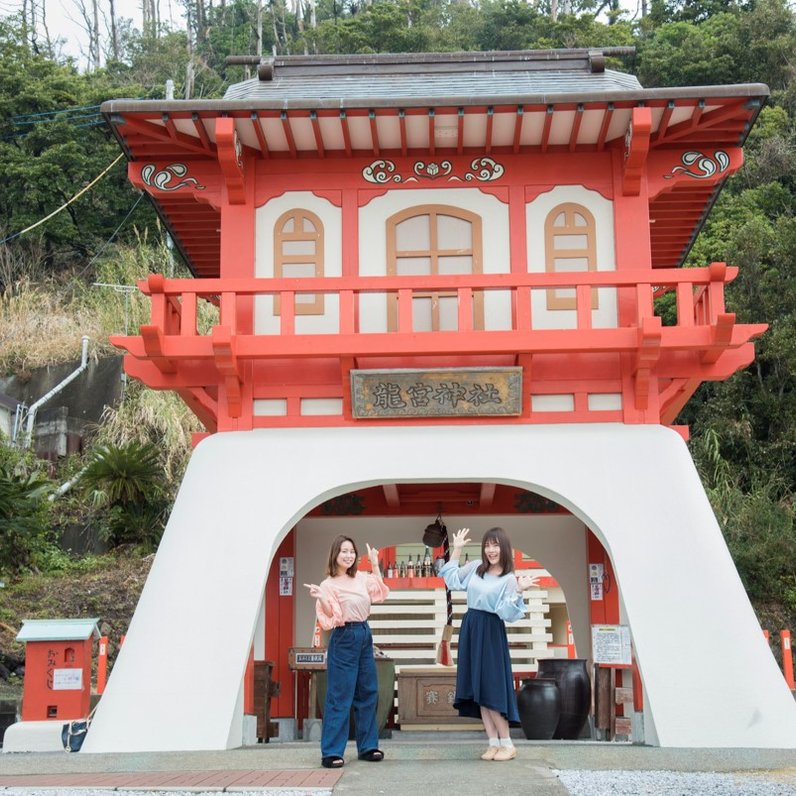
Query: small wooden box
{"x": 425, "y": 696}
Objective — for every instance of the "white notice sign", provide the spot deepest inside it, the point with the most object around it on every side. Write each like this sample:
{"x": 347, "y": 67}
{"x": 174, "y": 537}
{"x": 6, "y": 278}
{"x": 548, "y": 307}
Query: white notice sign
{"x": 286, "y": 567}
{"x": 611, "y": 644}
{"x": 67, "y": 679}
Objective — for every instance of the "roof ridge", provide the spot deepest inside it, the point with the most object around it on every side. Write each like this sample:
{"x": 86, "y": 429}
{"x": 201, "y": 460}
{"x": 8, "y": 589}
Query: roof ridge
{"x": 591, "y": 58}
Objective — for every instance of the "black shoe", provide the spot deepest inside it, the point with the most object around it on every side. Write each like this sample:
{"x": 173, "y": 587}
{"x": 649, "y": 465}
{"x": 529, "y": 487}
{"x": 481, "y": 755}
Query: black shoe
{"x": 372, "y": 755}
{"x": 332, "y": 762}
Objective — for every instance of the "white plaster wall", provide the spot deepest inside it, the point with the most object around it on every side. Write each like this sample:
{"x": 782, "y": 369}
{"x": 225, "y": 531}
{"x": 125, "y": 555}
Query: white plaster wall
{"x": 265, "y": 322}
{"x": 373, "y": 247}
{"x": 558, "y": 543}
{"x": 634, "y": 486}
{"x": 536, "y": 213}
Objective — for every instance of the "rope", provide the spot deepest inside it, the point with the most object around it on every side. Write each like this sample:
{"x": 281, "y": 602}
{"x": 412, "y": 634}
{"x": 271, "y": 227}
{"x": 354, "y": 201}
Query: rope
{"x": 65, "y": 204}
{"x": 446, "y": 554}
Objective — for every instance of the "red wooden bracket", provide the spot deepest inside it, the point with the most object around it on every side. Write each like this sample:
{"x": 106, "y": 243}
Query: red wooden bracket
{"x": 647, "y": 354}
{"x": 226, "y": 360}
{"x": 637, "y": 146}
{"x": 230, "y": 158}
{"x": 153, "y": 345}
{"x": 202, "y": 404}
{"x": 720, "y": 337}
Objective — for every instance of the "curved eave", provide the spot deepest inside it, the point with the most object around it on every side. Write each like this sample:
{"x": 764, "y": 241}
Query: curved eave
{"x": 760, "y": 90}
{"x": 706, "y": 117}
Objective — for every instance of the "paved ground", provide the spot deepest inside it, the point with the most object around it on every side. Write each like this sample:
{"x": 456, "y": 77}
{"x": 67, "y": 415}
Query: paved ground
{"x": 417, "y": 766}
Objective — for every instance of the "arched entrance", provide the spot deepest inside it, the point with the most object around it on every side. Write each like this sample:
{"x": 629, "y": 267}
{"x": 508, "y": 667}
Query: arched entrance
{"x": 635, "y": 487}
{"x": 408, "y": 626}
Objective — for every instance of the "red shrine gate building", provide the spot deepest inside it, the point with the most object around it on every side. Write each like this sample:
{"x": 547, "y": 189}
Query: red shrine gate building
{"x": 429, "y": 283}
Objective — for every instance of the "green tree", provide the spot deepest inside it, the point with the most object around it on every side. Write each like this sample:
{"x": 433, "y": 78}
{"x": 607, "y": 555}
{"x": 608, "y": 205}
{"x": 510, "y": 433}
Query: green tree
{"x": 53, "y": 143}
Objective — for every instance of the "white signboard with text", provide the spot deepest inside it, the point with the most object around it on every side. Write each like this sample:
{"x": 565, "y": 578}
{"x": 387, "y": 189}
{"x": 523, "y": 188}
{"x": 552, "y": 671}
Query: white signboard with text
{"x": 611, "y": 644}
{"x": 67, "y": 679}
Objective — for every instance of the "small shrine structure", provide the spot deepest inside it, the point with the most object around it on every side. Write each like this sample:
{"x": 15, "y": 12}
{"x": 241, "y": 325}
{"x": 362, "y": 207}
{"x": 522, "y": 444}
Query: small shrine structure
{"x": 439, "y": 273}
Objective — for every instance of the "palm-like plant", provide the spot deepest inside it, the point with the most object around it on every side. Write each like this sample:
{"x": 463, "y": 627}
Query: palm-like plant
{"x": 125, "y": 485}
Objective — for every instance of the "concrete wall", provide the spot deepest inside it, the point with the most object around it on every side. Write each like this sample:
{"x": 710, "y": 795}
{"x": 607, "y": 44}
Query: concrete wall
{"x": 634, "y": 486}
{"x": 61, "y": 420}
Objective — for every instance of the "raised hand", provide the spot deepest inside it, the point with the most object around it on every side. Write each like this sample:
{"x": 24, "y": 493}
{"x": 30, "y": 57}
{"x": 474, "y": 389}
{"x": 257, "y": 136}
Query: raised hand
{"x": 373, "y": 557}
{"x": 460, "y": 538}
{"x": 527, "y": 581}
{"x": 315, "y": 590}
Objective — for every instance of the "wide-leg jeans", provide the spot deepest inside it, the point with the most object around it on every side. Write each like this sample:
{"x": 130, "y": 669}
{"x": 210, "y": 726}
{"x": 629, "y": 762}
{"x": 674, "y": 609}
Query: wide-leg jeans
{"x": 351, "y": 679}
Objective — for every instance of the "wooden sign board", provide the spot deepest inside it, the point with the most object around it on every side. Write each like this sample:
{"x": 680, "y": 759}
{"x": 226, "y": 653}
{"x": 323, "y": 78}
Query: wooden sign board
{"x": 436, "y": 392}
{"x": 307, "y": 658}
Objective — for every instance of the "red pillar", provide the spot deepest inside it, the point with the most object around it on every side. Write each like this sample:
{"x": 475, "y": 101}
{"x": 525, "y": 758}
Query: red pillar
{"x": 102, "y": 664}
{"x": 279, "y": 612}
{"x": 787, "y": 658}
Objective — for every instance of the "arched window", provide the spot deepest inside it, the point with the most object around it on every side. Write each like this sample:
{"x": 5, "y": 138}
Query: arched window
{"x": 298, "y": 252}
{"x": 570, "y": 245}
{"x": 429, "y": 240}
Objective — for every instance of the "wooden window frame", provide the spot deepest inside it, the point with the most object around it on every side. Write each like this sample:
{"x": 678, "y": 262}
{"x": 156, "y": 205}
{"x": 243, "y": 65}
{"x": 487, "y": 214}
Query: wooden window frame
{"x": 589, "y": 252}
{"x": 434, "y": 253}
{"x": 299, "y": 216}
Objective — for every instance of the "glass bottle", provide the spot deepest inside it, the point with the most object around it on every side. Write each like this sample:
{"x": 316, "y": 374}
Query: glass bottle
{"x": 427, "y": 564}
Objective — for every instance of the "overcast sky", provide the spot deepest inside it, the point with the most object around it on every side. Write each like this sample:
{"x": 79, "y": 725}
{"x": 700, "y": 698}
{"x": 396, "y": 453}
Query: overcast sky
{"x": 64, "y": 19}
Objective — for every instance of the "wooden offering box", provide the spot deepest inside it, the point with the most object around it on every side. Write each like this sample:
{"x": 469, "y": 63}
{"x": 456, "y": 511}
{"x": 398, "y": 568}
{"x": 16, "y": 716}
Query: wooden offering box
{"x": 425, "y": 699}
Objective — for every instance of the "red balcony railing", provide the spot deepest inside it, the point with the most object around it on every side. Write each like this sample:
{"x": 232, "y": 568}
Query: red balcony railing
{"x": 701, "y": 319}
{"x": 203, "y": 360}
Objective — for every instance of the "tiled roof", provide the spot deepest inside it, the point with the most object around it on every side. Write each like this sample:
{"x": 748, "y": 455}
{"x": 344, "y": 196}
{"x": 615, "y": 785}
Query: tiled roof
{"x": 453, "y": 75}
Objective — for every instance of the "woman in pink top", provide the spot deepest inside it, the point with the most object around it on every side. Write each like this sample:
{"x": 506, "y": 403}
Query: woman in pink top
{"x": 343, "y": 601}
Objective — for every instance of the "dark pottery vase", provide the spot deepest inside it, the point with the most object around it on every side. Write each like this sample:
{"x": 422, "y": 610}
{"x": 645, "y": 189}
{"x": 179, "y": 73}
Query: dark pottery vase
{"x": 539, "y": 705}
{"x": 574, "y": 686}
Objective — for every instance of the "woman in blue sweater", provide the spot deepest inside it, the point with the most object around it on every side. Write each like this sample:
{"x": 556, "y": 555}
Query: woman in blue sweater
{"x": 484, "y": 683}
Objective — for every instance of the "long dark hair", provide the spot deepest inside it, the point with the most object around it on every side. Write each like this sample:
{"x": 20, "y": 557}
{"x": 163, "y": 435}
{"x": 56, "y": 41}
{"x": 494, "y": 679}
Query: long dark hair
{"x": 331, "y": 566}
{"x": 506, "y": 553}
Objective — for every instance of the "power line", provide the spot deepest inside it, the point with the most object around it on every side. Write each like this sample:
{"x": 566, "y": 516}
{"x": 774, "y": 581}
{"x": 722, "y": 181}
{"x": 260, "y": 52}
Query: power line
{"x": 115, "y": 233}
{"x": 51, "y": 113}
{"x": 67, "y": 119}
{"x": 65, "y": 204}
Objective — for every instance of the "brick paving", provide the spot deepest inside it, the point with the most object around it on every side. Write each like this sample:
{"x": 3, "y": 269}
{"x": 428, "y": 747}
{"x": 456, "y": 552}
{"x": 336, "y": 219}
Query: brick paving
{"x": 179, "y": 780}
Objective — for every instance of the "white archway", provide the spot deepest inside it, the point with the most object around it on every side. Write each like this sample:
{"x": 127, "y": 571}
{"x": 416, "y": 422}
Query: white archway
{"x": 634, "y": 486}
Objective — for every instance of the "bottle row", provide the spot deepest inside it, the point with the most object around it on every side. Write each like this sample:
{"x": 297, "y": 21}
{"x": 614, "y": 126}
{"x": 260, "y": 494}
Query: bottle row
{"x": 424, "y": 567}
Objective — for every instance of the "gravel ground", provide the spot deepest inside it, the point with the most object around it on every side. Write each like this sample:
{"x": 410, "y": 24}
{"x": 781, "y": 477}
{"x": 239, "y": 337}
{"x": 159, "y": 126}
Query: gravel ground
{"x": 674, "y": 783}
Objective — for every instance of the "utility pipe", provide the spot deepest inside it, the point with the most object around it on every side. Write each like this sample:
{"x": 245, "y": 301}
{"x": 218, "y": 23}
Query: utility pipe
{"x": 66, "y": 486}
{"x": 34, "y": 407}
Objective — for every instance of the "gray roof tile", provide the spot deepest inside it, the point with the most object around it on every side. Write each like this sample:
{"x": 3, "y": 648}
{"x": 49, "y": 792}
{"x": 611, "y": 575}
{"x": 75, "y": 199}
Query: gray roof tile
{"x": 430, "y": 78}
{"x": 490, "y": 85}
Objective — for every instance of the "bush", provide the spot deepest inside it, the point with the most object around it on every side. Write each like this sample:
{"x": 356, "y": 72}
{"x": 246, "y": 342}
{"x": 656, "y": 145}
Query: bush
{"x": 23, "y": 512}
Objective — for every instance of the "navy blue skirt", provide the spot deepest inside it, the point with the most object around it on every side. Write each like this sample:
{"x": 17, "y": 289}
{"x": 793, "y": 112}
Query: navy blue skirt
{"x": 483, "y": 675}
